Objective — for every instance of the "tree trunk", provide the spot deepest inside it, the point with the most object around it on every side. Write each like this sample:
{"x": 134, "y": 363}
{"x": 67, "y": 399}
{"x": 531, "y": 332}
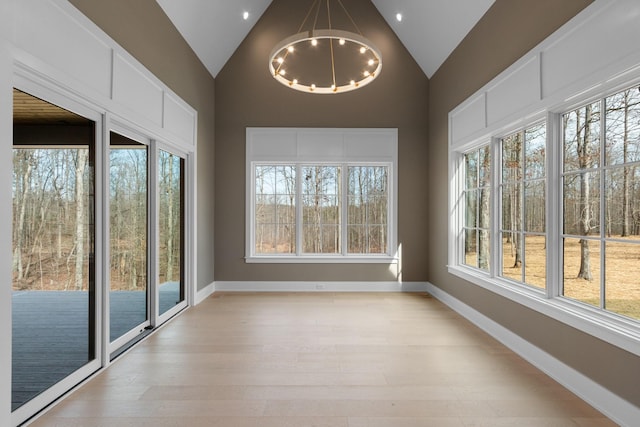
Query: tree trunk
{"x": 625, "y": 171}
{"x": 483, "y": 235}
{"x": 584, "y": 154}
{"x": 80, "y": 217}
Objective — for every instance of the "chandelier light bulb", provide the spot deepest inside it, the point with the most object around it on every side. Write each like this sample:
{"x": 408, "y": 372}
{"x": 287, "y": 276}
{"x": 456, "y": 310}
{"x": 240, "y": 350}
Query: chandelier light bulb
{"x": 281, "y": 60}
{"x": 342, "y": 42}
{"x": 363, "y": 49}
{"x": 314, "y": 42}
{"x": 371, "y": 62}
{"x": 290, "y": 49}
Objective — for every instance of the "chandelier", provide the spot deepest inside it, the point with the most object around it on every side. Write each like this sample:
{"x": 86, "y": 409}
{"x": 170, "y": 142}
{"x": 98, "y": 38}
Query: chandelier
{"x": 325, "y": 61}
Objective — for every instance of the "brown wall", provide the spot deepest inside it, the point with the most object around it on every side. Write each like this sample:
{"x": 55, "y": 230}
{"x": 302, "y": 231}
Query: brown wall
{"x": 507, "y": 31}
{"x": 247, "y": 96}
{"x": 142, "y": 28}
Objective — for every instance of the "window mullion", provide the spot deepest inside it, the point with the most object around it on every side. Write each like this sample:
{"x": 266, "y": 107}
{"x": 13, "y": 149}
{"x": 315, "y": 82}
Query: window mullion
{"x": 299, "y": 206}
{"x": 494, "y": 213}
{"x": 603, "y": 200}
{"x": 554, "y": 212}
{"x": 344, "y": 208}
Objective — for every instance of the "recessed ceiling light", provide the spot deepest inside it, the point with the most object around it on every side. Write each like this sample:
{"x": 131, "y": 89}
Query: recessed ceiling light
{"x": 245, "y": 15}
{"x": 399, "y": 17}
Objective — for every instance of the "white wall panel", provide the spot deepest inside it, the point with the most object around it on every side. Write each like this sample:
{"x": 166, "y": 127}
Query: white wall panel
{"x": 266, "y": 144}
{"x": 135, "y": 90}
{"x": 604, "y": 38}
{"x": 374, "y": 144}
{"x": 586, "y": 54}
{"x": 520, "y": 88}
{"x": 469, "y": 118}
{"x": 296, "y": 144}
{"x": 56, "y": 37}
{"x": 179, "y": 118}
{"x": 320, "y": 145}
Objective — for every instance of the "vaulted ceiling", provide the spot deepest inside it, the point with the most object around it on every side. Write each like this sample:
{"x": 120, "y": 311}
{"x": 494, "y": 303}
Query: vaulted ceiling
{"x": 429, "y": 29}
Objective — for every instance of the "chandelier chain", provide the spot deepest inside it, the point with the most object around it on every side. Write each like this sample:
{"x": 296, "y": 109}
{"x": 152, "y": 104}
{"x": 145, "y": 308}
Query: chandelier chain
{"x": 333, "y": 64}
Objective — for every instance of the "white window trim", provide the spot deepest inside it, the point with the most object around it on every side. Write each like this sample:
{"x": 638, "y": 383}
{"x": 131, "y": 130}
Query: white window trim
{"x": 322, "y": 146}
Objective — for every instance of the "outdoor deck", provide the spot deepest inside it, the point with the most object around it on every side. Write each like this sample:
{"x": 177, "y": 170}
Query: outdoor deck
{"x": 51, "y": 333}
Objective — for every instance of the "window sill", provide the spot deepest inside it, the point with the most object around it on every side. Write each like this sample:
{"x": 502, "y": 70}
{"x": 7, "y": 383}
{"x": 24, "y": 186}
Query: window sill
{"x": 610, "y": 328}
{"x": 321, "y": 259}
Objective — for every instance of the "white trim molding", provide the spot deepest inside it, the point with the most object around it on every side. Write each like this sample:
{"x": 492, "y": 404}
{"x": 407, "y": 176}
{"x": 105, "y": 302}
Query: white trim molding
{"x": 204, "y": 293}
{"x": 610, "y": 404}
{"x": 319, "y": 286}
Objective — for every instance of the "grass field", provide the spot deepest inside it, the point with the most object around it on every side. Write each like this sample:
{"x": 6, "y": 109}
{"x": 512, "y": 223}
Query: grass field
{"x": 622, "y": 278}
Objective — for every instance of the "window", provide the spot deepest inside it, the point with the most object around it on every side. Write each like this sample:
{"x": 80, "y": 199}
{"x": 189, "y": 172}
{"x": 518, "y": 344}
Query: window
{"x": 601, "y": 198}
{"x": 522, "y": 196}
{"x": 477, "y": 193}
{"x": 321, "y": 195}
{"x": 586, "y": 255}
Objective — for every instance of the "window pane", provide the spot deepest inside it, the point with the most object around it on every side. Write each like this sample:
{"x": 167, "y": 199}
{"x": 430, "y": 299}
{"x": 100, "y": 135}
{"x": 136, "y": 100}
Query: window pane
{"x": 581, "y": 129}
{"x": 367, "y": 211}
{"x": 623, "y": 201}
{"x": 53, "y": 247}
{"x": 512, "y": 207}
{"x": 622, "y": 279}
{"x": 512, "y": 256}
{"x": 471, "y": 208}
{"x": 484, "y": 243}
{"x": 582, "y": 270}
{"x": 171, "y": 233}
{"x": 512, "y": 157}
{"x": 534, "y": 153}
{"x": 484, "y": 168}
{"x": 535, "y": 256}
{"x": 582, "y": 203}
{"x": 623, "y": 127}
{"x": 471, "y": 170}
{"x": 534, "y": 205}
{"x": 477, "y": 208}
{"x": 128, "y": 235}
{"x": 320, "y": 196}
{"x": 275, "y": 209}
{"x": 523, "y": 205}
{"x": 470, "y": 248}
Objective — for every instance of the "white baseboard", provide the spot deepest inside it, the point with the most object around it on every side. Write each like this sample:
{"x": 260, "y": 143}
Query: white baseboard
{"x": 203, "y": 293}
{"x": 320, "y": 286}
{"x": 611, "y": 405}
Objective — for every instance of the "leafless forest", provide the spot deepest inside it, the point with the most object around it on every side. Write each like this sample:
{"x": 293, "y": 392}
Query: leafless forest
{"x": 321, "y": 209}
{"x": 600, "y": 204}
{"x": 54, "y": 218}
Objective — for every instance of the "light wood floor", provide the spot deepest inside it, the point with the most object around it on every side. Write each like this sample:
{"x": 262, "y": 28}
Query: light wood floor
{"x": 321, "y": 359}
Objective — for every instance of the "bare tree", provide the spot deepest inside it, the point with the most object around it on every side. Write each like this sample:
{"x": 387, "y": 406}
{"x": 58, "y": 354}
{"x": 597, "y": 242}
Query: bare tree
{"x": 585, "y": 160}
{"x": 81, "y": 162}
{"x": 484, "y": 214}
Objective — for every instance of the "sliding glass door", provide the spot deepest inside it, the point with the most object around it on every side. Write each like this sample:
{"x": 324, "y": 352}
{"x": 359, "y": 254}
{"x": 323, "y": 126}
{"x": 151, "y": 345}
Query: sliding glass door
{"x": 98, "y": 243}
{"x": 54, "y": 308}
{"x": 170, "y": 231}
{"x": 128, "y": 239}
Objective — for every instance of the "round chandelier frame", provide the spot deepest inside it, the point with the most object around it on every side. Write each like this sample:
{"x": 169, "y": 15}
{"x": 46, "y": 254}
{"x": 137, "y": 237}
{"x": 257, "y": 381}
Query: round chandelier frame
{"x": 368, "y": 58}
